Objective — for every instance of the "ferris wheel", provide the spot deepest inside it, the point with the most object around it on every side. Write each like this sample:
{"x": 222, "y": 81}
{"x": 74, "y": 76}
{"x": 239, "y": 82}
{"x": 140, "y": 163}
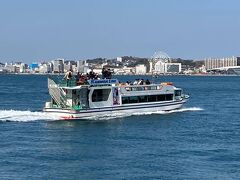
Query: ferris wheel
{"x": 161, "y": 56}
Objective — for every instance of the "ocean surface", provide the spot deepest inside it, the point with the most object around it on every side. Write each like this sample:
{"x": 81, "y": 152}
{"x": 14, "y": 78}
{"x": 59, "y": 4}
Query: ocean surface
{"x": 199, "y": 141}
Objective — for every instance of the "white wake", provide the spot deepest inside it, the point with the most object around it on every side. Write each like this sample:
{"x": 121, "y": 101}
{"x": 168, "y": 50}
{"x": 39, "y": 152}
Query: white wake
{"x": 28, "y": 116}
{"x": 122, "y": 115}
{"x": 24, "y": 116}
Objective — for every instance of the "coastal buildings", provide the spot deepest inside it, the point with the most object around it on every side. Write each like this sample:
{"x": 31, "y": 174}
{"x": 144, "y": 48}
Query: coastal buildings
{"x": 174, "y": 68}
{"x": 128, "y": 65}
{"x": 141, "y": 69}
{"x": 212, "y": 63}
{"x": 58, "y": 65}
{"x": 82, "y": 66}
{"x": 167, "y": 68}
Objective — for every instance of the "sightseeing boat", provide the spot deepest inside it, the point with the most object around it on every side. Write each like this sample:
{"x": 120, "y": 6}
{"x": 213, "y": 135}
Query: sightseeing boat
{"x": 71, "y": 101}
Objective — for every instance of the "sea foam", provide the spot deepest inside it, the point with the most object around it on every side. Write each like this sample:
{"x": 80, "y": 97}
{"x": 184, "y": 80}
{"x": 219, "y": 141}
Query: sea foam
{"x": 29, "y": 116}
{"x": 24, "y": 116}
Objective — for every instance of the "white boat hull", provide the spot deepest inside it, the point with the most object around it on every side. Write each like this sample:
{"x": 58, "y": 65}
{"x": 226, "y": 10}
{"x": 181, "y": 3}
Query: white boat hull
{"x": 68, "y": 114}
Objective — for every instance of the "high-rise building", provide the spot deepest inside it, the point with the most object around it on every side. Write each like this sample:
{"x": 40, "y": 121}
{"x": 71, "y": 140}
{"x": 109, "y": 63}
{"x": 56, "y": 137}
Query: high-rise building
{"x": 82, "y": 66}
{"x": 212, "y": 63}
{"x": 238, "y": 61}
{"x": 58, "y": 65}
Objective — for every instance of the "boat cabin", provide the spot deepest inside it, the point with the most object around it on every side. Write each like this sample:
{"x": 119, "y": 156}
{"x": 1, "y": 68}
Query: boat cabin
{"x": 110, "y": 93}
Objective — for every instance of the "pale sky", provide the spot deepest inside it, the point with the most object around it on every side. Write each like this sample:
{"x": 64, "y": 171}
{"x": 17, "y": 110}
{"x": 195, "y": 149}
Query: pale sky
{"x": 33, "y": 30}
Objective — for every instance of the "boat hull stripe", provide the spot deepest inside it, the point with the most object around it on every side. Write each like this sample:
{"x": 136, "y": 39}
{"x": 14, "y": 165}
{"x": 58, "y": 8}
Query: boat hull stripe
{"x": 112, "y": 109}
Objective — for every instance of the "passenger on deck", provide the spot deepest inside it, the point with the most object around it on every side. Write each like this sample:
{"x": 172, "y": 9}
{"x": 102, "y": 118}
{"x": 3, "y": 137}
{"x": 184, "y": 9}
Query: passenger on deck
{"x": 127, "y": 83}
{"x": 109, "y": 73}
{"x": 78, "y": 76}
{"x": 68, "y": 76}
{"x": 103, "y": 73}
{"x": 148, "y": 82}
{"x": 81, "y": 80}
{"x": 136, "y": 82}
{"x": 141, "y": 82}
{"x": 106, "y": 74}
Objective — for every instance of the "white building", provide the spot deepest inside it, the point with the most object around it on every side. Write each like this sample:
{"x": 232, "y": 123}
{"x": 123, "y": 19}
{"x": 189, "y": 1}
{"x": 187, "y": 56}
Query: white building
{"x": 212, "y": 63}
{"x": 159, "y": 67}
{"x": 45, "y": 68}
{"x": 82, "y": 67}
{"x": 173, "y": 68}
{"x": 58, "y": 66}
{"x": 162, "y": 67}
{"x": 141, "y": 69}
{"x": 22, "y": 68}
{"x": 10, "y": 68}
{"x": 119, "y": 59}
{"x": 128, "y": 70}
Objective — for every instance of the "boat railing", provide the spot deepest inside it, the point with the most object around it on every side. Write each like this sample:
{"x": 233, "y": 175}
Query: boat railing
{"x": 142, "y": 87}
{"x": 57, "y": 93}
{"x": 68, "y": 83}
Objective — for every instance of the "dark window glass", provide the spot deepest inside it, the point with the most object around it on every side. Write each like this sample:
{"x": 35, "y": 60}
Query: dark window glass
{"x": 125, "y": 100}
{"x": 169, "y": 97}
{"x": 142, "y": 98}
{"x": 161, "y": 97}
{"x": 140, "y": 88}
{"x": 134, "y": 88}
{"x": 133, "y": 99}
{"x": 178, "y": 92}
{"x": 152, "y": 98}
{"x": 100, "y": 95}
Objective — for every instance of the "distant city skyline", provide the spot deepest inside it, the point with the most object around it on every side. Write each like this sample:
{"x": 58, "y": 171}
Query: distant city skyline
{"x": 86, "y": 29}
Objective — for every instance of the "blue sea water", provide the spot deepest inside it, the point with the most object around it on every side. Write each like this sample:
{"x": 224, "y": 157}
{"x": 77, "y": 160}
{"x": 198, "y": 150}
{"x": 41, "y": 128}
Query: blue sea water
{"x": 200, "y": 141}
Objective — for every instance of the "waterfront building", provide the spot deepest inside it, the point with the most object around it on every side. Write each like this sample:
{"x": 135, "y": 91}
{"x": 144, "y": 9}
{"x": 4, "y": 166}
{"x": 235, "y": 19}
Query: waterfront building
{"x": 118, "y": 71}
{"x": 213, "y": 63}
{"x": 150, "y": 66}
{"x": 45, "y": 68}
{"x": 33, "y": 66}
{"x": 238, "y": 61}
{"x": 159, "y": 67}
{"x": 141, "y": 69}
{"x": 166, "y": 67}
{"x": 10, "y": 68}
{"x": 82, "y": 66}
{"x": 172, "y": 68}
{"x": 23, "y": 67}
{"x": 119, "y": 59}
{"x": 58, "y": 65}
{"x": 128, "y": 70}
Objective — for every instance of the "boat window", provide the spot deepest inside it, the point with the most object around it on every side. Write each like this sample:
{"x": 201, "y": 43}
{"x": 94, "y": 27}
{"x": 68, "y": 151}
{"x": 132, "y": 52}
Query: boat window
{"x": 161, "y": 97}
{"x": 153, "y": 87}
{"x": 125, "y": 100}
{"x": 140, "y": 88}
{"x": 142, "y": 98}
{"x": 178, "y": 92}
{"x": 152, "y": 98}
{"x": 100, "y": 95}
{"x": 169, "y": 97}
{"x": 133, "y": 99}
{"x": 134, "y": 89}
